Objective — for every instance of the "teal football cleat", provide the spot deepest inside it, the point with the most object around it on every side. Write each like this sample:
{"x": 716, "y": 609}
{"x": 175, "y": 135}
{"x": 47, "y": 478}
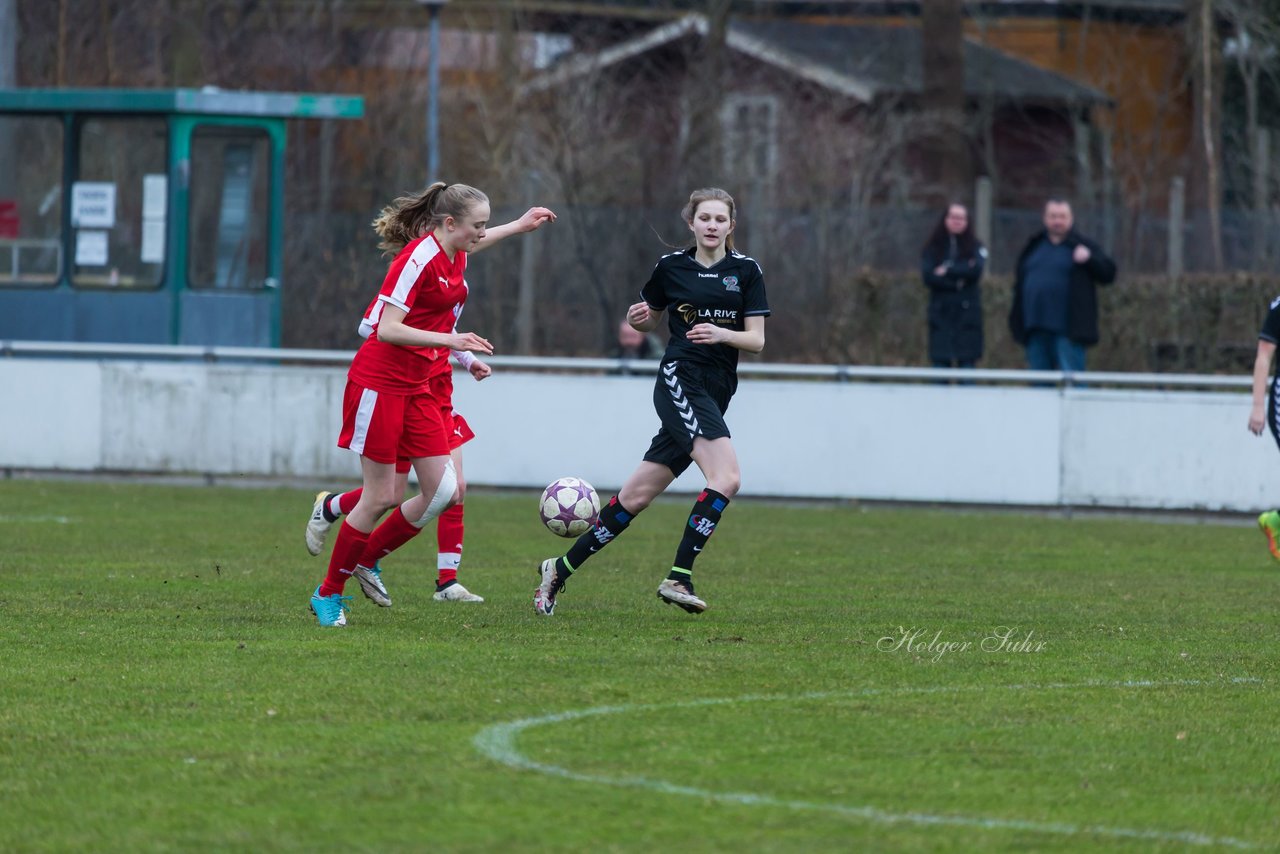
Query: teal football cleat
{"x": 330, "y": 610}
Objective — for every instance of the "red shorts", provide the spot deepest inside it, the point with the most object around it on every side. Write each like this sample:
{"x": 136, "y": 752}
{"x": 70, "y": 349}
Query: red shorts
{"x": 387, "y": 427}
{"x": 460, "y": 436}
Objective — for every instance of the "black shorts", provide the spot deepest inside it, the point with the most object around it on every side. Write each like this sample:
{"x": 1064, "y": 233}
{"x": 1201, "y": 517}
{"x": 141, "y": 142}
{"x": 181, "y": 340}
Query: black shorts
{"x": 691, "y": 400}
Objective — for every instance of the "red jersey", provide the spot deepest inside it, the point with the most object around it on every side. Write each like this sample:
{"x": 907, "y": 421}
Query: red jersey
{"x": 431, "y": 289}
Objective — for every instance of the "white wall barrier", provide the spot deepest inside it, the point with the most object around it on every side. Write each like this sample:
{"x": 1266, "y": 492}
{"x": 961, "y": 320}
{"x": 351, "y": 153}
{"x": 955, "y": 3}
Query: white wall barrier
{"x": 880, "y": 436}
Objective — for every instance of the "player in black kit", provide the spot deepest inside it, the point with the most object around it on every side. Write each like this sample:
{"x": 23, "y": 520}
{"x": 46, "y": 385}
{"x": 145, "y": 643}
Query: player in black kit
{"x": 1265, "y": 411}
{"x": 715, "y": 300}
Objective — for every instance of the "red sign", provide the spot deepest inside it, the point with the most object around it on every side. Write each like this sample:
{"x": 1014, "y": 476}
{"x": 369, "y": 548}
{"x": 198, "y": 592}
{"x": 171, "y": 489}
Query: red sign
{"x": 8, "y": 218}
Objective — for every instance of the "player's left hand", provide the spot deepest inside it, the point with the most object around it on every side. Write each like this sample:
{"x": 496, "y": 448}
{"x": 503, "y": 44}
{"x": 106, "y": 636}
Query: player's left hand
{"x": 480, "y": 370}
{"x": 535, "y": 217}
{"x": 707, "y": 333}
{"x": 1082, "y": 254}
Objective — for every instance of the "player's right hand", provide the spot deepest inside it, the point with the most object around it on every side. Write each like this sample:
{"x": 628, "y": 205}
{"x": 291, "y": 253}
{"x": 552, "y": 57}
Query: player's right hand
{"x": 638, "y": 314}
{"x": 1256, "y": 422}
{"x": 470, "y": 342}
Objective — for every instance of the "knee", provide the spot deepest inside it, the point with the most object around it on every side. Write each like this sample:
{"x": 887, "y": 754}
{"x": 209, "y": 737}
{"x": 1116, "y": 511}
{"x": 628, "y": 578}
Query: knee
{"x": 380, "y": 500}
{"x": 634, "y": 504}
{"x": 633, "y": 501}
{"x": 727, "y": 485}
{"x": 446, "y": 492}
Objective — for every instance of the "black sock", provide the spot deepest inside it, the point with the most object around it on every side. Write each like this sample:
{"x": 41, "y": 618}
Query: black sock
{"x": 329, "y": 515}
{"x": 614, "y": 519}
{"x": 702, "y": 524}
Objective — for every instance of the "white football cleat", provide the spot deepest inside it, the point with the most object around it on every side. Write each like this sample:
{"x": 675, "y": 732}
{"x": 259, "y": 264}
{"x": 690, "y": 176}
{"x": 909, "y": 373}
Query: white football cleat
{"x": 680, "y": 593}
{"x": 318, "y": 525}
{"x": 544, "y": 595}
{"x": 455, "y": 592}
{"x": 371, "y": 585}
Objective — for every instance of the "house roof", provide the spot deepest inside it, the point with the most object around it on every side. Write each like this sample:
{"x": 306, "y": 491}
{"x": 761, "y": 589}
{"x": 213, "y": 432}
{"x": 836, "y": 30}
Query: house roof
{"x": 1137, "y": 10}
{"x": 863, "y": 63}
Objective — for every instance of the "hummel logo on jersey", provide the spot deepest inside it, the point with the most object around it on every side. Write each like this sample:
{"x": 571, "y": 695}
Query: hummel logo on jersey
{"x": 708, "y": 275}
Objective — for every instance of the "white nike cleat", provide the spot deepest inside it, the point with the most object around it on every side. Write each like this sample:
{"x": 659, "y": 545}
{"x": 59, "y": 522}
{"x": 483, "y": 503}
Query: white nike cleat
{"x": 371, "y": 585}
{"x": 680, "y": 593}
{"x": 544, "y": 596}
{"x": 318, "y": 525}
{"x": 455, "y": 592}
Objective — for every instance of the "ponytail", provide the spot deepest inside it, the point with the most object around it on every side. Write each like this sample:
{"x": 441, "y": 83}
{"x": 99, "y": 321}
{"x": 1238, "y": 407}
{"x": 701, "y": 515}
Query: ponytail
{"x": 410, "y": 217}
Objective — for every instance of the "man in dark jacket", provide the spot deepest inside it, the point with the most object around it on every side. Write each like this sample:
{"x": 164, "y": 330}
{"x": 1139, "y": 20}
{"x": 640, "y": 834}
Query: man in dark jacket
{"x": 1055, "y": 294}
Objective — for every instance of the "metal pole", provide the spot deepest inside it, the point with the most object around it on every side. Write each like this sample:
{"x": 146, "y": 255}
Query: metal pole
{"x": 8, "y": 80}
{"x": 433, "y": 96}
{"x": 1177, "y": 217}
{"x": 983, "y": 193}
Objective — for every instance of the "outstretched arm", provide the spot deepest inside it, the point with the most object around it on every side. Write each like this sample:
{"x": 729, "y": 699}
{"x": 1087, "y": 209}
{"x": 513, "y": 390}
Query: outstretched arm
{"x": 393, "y": 330}
{"x": 532, "y": 220}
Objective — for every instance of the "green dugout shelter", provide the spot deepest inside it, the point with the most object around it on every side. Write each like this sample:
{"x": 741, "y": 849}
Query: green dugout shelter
{"x": 146, "y": 215}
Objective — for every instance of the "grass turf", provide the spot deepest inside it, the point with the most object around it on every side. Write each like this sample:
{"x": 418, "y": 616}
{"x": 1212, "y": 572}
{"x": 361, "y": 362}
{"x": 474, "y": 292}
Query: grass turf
{"x": 164, "y": 687}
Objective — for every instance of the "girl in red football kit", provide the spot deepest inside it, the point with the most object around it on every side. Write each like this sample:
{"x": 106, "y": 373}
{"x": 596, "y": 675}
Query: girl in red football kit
{"x": 331, "y": 506}
{"x": 398, "y": 400}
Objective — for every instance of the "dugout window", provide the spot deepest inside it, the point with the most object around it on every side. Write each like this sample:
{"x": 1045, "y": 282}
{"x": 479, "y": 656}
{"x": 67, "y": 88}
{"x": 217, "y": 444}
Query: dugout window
{"x": 116, "y": 200}
{"x": 229, "y": 208}
{"x": 749, "y": 125}
{"x": 30, "y": 200}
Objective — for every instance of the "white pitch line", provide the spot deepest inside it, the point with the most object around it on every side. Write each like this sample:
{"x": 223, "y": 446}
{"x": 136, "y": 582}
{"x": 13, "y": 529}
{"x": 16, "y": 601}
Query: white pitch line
{"x": 61, "y": 520}
{"x": 498, "y": 742}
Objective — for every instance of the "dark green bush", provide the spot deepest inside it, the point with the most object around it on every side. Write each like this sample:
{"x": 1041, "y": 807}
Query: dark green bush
{"x": 1196, "y": 324}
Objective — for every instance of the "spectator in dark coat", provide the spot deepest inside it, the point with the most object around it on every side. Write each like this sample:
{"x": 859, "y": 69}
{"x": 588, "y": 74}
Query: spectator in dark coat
{"x": 951, "y": 264}
{"x": 1055, "y": 293}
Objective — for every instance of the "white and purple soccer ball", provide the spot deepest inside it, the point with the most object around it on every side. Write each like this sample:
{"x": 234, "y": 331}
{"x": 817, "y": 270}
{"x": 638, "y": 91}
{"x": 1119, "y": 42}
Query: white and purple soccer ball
{"x": 569, "y": 507}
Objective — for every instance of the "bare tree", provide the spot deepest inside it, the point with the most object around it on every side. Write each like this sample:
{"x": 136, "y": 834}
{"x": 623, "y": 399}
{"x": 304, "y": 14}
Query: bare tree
{"x": 1254, "y": 49}
{"x": 1206, "y": 64}
{"x": 948, "y": 161}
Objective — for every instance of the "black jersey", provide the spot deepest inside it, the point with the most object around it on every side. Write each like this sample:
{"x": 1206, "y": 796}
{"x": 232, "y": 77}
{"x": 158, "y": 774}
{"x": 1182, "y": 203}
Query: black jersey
{"x": 725, "y": 294}
{"x": 1271, "y": 329}
{"x": 1271, "y": 326}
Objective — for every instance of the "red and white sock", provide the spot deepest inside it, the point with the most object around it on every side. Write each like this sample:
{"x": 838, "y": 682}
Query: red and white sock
{"x": 343, "y": 503}
{"x": 449, "y": 542}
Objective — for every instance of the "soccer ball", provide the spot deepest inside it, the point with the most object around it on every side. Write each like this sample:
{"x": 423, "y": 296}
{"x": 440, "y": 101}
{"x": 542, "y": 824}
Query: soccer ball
{"x": 569, "y": 507}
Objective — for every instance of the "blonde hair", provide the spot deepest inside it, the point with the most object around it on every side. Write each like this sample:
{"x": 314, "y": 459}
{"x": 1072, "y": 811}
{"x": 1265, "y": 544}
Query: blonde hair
{"x": 711, "y": 194}
{"x": 409, "y": 217}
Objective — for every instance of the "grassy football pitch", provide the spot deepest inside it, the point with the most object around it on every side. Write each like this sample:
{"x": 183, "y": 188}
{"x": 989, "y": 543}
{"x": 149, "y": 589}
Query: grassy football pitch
{"x": 865, "y": 679}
